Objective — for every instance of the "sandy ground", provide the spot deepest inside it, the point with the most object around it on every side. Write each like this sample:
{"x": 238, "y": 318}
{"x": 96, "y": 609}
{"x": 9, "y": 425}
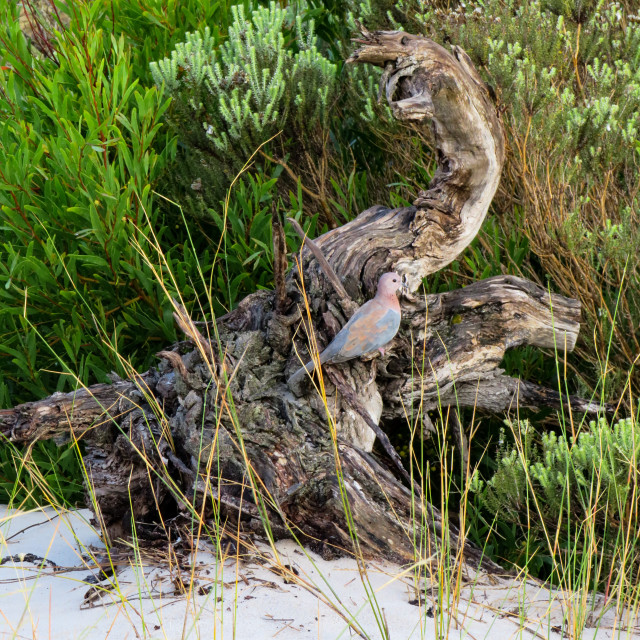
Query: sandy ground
{"x": 251, "y": 598}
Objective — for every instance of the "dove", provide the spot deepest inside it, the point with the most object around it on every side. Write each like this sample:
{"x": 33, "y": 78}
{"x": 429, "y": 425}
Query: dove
{"x": 371, "y": 327}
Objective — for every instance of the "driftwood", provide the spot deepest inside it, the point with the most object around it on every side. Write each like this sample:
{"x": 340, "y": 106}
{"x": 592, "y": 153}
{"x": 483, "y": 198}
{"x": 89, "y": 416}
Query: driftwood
{"x": 215, "y": 426}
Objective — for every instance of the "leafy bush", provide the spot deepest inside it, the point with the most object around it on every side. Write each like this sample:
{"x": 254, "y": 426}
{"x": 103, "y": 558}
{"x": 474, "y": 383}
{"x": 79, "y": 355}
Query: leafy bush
{"x": 230, "y": 99}
{"x": 570, "y": 491}
{"x": 81, "y": 144}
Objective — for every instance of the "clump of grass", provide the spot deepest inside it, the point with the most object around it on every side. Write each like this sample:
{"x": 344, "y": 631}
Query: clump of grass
{"x": 43, "y": 473}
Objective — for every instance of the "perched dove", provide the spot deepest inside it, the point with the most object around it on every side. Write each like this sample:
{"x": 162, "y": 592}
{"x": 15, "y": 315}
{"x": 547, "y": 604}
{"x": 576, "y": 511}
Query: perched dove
{"x": 372, "y": 326}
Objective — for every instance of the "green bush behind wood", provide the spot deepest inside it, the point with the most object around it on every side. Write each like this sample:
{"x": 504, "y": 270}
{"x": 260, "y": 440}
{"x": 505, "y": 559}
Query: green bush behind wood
{"x": 82, "y": 144}
{"x": 569, "y": 491}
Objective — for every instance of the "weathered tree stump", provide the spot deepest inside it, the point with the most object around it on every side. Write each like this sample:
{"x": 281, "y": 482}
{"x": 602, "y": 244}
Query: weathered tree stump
{"x": 217, "y": 427}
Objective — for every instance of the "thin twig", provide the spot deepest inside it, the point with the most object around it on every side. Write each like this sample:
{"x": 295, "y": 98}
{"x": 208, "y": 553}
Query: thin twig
{"x": 345, "y": 300}
{"x": 461, "y": 440}
{"x": 350, "y": 396}
{"x": 279, "y": 259}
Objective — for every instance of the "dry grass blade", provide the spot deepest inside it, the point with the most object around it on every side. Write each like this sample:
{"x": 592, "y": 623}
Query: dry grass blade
{"x": 188, "y": 327}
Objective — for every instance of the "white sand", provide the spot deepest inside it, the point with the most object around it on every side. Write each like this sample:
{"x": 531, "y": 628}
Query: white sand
{"x": 248, "y": 600}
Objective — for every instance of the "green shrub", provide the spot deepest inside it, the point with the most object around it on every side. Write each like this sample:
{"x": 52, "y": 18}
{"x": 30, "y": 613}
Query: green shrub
{"x": 80, "y": 146}
{"x": 242, "y": 93}
{"x": 232, "y": 98}
{"x": 569, "y": 493}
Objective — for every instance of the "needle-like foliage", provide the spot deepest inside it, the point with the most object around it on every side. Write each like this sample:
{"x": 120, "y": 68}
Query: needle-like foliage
{"x": 230, "y": 99}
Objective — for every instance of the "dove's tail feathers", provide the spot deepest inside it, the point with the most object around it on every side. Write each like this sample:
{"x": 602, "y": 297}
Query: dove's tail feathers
{"x": 296, "y": 378}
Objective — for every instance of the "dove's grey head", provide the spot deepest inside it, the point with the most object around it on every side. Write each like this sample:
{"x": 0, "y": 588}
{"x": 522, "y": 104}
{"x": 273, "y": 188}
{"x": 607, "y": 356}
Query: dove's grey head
{"x": 389, "y": 284}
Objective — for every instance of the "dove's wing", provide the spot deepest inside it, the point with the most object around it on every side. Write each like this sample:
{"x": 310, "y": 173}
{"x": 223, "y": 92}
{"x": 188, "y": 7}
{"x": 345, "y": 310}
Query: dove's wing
{"x": 372, "y": 326}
